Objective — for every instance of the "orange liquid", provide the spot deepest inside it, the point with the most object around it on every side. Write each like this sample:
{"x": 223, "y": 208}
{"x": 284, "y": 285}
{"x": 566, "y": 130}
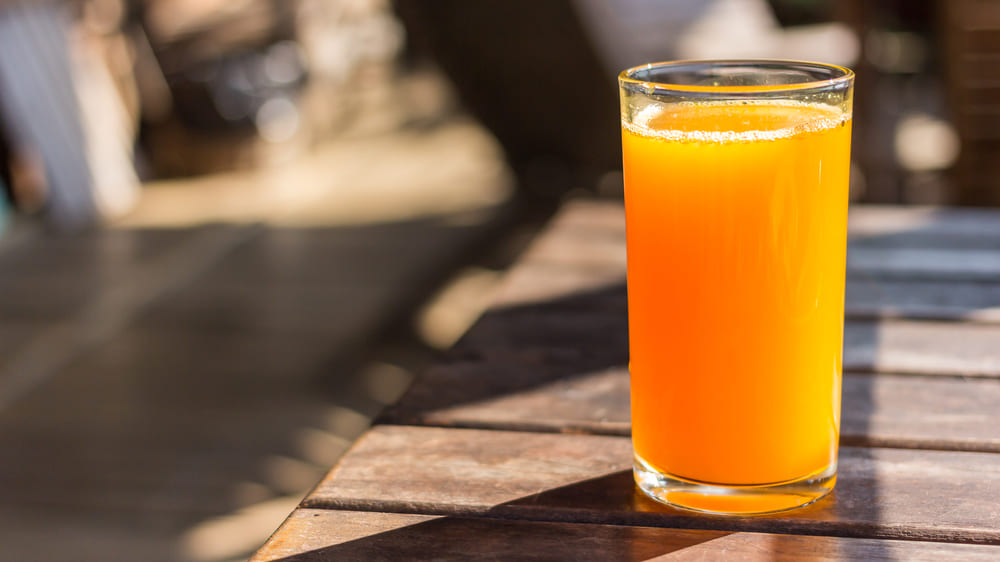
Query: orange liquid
{"x": 736, "y": 221}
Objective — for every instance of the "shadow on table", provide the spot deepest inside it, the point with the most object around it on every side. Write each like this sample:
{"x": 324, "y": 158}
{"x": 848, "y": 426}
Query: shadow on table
{"x": 606, "y": 518}
{"x": 520, "y": 348}
{"x": 455, "y": 538}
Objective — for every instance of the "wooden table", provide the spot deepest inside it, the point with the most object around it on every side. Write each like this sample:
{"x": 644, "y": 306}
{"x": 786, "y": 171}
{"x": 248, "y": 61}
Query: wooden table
{"x": 516, "y": 447}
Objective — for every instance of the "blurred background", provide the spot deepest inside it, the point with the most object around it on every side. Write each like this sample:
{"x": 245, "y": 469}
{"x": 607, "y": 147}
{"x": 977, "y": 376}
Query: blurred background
{"x": 233, "y": 231}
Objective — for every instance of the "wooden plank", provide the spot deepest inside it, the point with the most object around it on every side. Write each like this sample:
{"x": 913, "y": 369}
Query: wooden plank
{"x": 537, "y": 283}
{"x": 348, "y": 535}
{"x": 590, "y": 215}
{"x": 312, "y": 534}
{"x": 951, "y": 272}
{"x": 922, "y": 226}
{"x": 885, "y": 242}
{"x": 512, "y": 392}
{"x": 867, "y": 297}
{"x": 595, "y": 324}
{"x": 921, "y": 263}
{"x": 932, "y": 300}
{"x": 931, "y": 348}
{"x": 868, "y": 225}
{"x": 921, "y": 412}
{"x": 881, "y": 493}
{"x": 580, "y": 249}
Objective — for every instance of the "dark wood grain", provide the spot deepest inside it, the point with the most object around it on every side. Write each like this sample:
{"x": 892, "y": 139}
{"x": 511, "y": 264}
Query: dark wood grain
{"x": 881, "y": 493}
{"x": 311, "y": 534}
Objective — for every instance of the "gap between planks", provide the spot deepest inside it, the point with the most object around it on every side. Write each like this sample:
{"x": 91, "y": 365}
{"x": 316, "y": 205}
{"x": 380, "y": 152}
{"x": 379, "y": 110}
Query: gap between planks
{"x": 586, "y": 479}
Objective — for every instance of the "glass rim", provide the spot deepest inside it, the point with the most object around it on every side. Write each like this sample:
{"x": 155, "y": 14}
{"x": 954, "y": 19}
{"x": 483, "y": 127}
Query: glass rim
{"x": 841, "y": 75}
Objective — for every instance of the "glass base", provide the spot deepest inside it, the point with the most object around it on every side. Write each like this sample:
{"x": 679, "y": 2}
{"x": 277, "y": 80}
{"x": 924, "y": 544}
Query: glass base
{"x": 733, "y": 500}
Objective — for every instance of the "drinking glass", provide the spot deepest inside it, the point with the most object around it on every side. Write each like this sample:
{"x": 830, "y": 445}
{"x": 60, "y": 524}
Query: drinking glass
{"x": 736, "y": 187}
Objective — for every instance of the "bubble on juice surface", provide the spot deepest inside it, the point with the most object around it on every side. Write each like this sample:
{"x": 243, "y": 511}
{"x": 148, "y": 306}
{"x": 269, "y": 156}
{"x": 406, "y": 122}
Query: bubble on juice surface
{"x": 737, "y": 121}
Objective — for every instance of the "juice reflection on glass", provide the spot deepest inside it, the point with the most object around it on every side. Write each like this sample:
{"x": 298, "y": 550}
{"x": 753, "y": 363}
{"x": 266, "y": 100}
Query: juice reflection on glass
{"x": 736, "y": 211}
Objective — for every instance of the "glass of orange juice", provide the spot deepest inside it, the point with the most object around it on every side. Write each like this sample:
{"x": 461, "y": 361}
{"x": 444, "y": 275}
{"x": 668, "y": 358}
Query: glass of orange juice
{"x": 736, "y": 184}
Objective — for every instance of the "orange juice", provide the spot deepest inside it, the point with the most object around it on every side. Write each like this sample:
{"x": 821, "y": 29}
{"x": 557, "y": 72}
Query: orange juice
{"x": 736, "y": 222}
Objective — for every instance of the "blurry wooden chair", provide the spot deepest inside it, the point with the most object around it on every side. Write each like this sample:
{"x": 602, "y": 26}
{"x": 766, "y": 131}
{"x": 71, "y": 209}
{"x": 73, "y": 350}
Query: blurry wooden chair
{"x": 971, "y": 33}
{"x": 528, "y": 72}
